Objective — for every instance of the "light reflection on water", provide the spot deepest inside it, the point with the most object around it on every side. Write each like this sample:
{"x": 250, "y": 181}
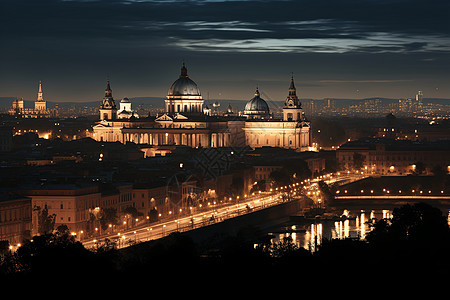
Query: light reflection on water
{"x": 356, "y": 226}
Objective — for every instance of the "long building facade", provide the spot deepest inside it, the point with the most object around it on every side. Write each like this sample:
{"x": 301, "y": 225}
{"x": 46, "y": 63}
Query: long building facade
{"x": 188, "y": 121}
{"x": 385, "y": 156}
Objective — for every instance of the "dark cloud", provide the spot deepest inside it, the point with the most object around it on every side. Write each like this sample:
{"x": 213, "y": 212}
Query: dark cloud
{"x": 207, "y": 19}
{"x": 246, "y": 40}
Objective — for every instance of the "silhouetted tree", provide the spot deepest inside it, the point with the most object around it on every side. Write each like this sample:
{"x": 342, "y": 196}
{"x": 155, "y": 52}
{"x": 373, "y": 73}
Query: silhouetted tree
{"x": 153, "y": 215}
{"x": 46, "y": 222}
{"x": 358, "y": 160}
{"x": 419, "y": 169}
{"x": 132, "y": 211}
{"x": 418, "y": 223}
{"x": 259, "y": 186}
{"x": 327, "y": 195}
{"x": 292, "y": 170}
{"x": 279, "y": 178}
{"x": 108, "y": 216}
{"x": 284, "y": 247}
{"x": 237, "y": 186}
{"x": 4, "y": 247}
{"x": 105, "y": 246}
{"x": 297, "y": 169}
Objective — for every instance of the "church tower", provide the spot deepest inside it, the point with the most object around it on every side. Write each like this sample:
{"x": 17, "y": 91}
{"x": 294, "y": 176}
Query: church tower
{"x": 40, "y": 104}
{"x": 108, "y": 109}
{"x": 292, "y": 109}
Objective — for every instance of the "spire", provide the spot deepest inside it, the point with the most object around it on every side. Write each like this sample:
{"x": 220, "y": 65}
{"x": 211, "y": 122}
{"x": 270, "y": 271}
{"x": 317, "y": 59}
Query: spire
{"x": 40, "y": 94}
{"x": 229, "y": 108}
{"x": 183, "y": 71}
{"x": 292, "y": 87}
{"x": 108, "y": 91}
{"x": 292, "y": 99}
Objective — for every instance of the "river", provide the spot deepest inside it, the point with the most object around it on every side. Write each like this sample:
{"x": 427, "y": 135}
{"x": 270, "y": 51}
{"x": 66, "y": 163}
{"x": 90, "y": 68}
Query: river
{"x": 309, "y": 233}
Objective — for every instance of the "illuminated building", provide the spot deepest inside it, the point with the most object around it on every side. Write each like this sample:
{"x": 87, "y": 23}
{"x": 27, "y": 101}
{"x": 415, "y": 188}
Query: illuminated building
{"x": 188, "y": 121}
{"x": 73, "y": 204}
{"x": 393, "y": 157}
{"x": 108, "y": 109}
{"x": 184, "y": 96}
{"x": 40, "y": 104}
{"x": 293, "y": 131}
{"x": 15, "y": 218}
{"x": 40, "y": 109}
{"x": 125, "y": 110}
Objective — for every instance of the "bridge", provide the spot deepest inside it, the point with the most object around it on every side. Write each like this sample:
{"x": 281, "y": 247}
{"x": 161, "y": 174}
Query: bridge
{"x": 219, "y": 213}
{"x": 391, "y": 191}
{"x": 193, "y": 221}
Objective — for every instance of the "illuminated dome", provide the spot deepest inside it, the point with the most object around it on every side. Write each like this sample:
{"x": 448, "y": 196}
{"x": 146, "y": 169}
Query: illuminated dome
{"x": 184, "y": 96}
{"x": 184, "y": 86}
{"x": 257, "y": 107}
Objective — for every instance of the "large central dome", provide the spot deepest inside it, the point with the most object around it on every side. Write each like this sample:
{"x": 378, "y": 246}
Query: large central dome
{"x": 184, "y": 96}
{"x": 184, "y": 86}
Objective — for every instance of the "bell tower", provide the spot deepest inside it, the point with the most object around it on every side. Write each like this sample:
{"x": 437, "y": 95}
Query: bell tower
{"x": 292, "y": 109}
{"x": 40, "y": 103}
{"x": 108, "y": 109}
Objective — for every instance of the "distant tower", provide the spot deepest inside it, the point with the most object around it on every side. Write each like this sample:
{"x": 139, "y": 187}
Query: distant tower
{"x": 419, "y": 96}
{"x": 108, "y": 109}
{"x": 40, "y": 104}
{"x": 292, "y": 110}
{"x": 17, "y": 104}
{"x": 419, "y": 101}
{"x": 229, "y": 111}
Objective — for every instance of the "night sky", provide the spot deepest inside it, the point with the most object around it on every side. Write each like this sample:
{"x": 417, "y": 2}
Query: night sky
{"x": 335, "y": 48}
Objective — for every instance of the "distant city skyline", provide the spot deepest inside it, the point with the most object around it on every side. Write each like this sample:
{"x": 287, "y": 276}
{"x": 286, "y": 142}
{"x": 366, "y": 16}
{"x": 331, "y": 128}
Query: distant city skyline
{"x": 350, "y": 50}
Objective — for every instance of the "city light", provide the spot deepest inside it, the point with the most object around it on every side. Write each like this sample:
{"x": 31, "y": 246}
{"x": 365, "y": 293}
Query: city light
{"x": 156, "y": 162}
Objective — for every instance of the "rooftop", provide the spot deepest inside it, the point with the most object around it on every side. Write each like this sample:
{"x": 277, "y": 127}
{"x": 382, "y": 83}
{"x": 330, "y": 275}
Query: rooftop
{"x": 392, "y": 144}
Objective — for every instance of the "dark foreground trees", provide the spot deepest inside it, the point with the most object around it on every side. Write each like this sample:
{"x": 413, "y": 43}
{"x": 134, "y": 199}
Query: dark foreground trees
{"x": 415, "y": 242}
{"x": 50, "y": 257}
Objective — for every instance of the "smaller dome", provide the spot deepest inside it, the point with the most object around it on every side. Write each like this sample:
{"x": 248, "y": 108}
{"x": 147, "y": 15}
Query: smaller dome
{"x": 256, "y": 106}
{"x": 125, "y": 100}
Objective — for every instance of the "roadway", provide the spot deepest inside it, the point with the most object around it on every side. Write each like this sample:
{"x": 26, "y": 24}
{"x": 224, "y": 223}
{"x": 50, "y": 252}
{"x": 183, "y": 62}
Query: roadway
{"x": 195, "y": 220}
{"x": 217, "y": 214}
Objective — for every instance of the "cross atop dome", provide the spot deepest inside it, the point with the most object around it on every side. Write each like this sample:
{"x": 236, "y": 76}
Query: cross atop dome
{"x": 108, "y": 91}
{"x": 183, "y": 71}
{"x": 257, "y": 94}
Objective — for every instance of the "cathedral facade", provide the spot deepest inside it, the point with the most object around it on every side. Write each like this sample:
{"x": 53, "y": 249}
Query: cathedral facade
{"x": 188, "y": 121}
{"x": 40, "y": 109}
